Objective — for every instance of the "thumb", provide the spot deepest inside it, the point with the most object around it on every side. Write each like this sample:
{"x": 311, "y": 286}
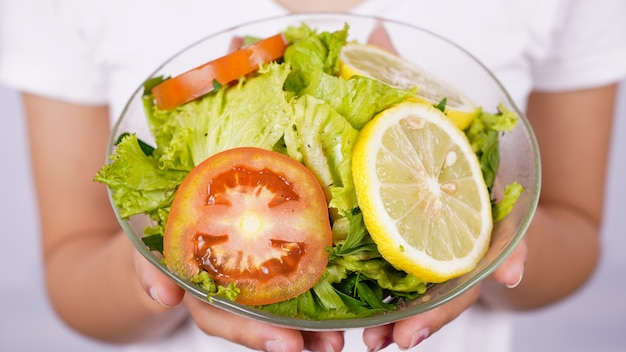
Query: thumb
{"x": 157, "y": 285}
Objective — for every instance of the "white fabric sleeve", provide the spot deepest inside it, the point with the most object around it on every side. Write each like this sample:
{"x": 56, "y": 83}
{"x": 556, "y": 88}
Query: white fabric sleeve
{"x": 588, "y": 47}
{"x": 42, "y": 51}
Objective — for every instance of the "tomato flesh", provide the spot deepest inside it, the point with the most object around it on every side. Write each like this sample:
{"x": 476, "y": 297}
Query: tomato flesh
{"x": 200, "y": 80}
{"x": 253, "y": 217}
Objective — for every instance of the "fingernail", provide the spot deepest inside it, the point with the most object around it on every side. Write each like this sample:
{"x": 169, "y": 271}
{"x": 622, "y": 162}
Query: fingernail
{"x": 417, "y": 338}
{"x": 277, "y": 345}
{"x": 519, "y": 280}
{"x": 382, "y": 344}
{"x": 154, "y": 294}
{"x": 321, "y": 345}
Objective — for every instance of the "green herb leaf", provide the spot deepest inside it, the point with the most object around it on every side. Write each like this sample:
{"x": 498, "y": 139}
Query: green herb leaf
{"x": 151, "y": 83}
{"x": 441, "y": 106}
{"x": 372, "y": 294}
{"x": 216, "y": 85}
{"x": 154, "y": 242}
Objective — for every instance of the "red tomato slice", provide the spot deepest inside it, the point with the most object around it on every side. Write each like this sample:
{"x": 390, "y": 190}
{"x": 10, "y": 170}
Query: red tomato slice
{"x": 253, "y": 217}
{"x": 199, "y": 81}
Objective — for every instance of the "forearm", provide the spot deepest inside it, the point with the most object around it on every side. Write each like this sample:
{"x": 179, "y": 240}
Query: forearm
{"x": 88, "y": 260}
{"x": 93, "y": 286}
{"x": 573, "y": 130}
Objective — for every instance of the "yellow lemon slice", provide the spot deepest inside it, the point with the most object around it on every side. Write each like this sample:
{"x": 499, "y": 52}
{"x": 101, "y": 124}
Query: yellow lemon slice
{"x": 374, "y": 62}
{"x": 420, "y": 188}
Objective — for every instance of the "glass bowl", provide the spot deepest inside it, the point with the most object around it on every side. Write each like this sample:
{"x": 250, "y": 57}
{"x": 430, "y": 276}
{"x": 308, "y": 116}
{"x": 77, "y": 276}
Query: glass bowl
{"x": 519, "y": 151}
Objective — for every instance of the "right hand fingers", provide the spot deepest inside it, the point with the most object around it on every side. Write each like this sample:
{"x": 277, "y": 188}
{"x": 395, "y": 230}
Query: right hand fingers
{"x": 257, "y": 335}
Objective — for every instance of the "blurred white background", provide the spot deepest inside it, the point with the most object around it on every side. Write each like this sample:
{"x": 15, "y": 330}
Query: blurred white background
{"x": 594, "y": 319}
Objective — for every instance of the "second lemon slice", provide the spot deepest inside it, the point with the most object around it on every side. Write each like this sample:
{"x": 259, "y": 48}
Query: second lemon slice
{"x": 374, "y": 62}
{"x": 421, "y": 191}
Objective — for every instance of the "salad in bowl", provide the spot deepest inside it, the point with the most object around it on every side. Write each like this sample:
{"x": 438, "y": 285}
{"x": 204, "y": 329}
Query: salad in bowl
{"x": 315, "y": 179}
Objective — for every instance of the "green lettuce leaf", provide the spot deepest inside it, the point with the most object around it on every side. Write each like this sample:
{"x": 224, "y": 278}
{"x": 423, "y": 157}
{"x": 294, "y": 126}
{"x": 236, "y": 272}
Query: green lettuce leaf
{"x": 358, "y": 99}
{"x": 322, "y": 140}
{"x": 483, "y": 135}
{"x": 137, "y": 183}
{"x": 314, "y": 58}
{"x": 512, "y": 192}
{"x": 311, "y": 52}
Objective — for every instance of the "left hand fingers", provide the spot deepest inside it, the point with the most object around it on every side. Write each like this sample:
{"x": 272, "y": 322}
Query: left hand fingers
{"x": 323, "y": 340}
{"x": 409, "y": 332}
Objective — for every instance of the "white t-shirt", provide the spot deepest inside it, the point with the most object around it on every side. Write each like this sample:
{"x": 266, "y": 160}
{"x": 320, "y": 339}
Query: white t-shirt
{"x": 99, "y": 52}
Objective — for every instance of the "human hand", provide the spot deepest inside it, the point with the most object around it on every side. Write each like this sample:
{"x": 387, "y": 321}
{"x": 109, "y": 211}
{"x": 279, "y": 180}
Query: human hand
{"x": 250, "y": 333}
{"x": 410, "y": 332}
{"x": 257, "y": 335}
